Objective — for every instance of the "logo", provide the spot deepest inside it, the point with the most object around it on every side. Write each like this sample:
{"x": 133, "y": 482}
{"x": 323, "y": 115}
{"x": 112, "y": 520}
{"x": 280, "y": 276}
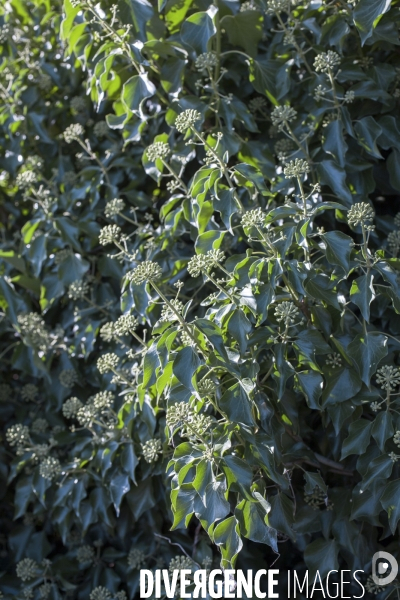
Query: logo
{"x": 384, "y": 568}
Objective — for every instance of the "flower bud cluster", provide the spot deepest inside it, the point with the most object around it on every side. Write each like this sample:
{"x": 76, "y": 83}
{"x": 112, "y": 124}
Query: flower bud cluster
{"x": 73, "y": 132}
{"x": 167, "y": 314}
{"x": 26, "y": 179}
{"x": 136, "y": 558}
{"x": 388, "y": 377}
{"x": 203, "y": 263}
{"x": 114, "y": 207}
{"x": 68, "y": 378}
{"x": 85, "y": 554}
{"x": 158, "y": 150}
{"x": 125, "y": 323}
{"x": 29, "y": 392}
{"x": 151, "y": 450}
{"x": 18, "y": 435}
{"x": 296, "y": 168}
{"x": 109, "y": 234}
{"x": 108, "y": 362}
{"x": 34, "y": 331}
{"x": 27, "y": 569}
{"x": 101, "y": 129}
{"x": 286, "y": 312}
{"x": 326, "y": 61}
{"x": 253, "y": 218}
{"x": 71, "y": 407}
{"x": 146, "y": 271}
{"x": 50, "y": 468}
{"x": 206, "y": 61}
{"x": 187, "y": 119}
{"x": 282, "y": 115}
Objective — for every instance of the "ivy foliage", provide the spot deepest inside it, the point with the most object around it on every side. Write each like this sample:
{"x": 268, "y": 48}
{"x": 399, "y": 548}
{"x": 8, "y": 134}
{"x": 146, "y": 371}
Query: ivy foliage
{"x": 199, "y": 290}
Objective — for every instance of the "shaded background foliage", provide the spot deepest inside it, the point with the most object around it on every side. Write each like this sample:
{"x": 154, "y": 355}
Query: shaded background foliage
{"x": 255, "y": 415}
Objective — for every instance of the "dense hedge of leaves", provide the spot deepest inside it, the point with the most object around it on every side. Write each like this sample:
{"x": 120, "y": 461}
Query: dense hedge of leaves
{"x": 199, "y": 290}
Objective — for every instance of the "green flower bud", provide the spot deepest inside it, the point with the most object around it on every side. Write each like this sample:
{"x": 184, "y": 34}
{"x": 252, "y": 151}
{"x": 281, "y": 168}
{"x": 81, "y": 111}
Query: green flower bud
{"x": 27, "y": 569}
{"x": 73, "y": 132}
{"x": 187, "y": 119}
{"x": 146, "y": 271}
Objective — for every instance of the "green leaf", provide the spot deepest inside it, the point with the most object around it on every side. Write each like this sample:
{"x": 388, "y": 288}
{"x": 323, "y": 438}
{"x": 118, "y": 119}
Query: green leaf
{"x": 368, "y": 131}
{"x": 281, "y": 516}
{"x": 185, "y": 365}
{"x": 338, "y": 248}
{"x": 237, "y": 406}
{"x": 238, "y": 474}
{"x": 214, "y": 335}
{"x": 239, "y": 327}
{"x": 366, "y": 351}
{"x": 227, "y": 536}
{"x": 269, "y": 77}
{"x": 341, "y": 385}
{"x": 119, "y": 486}
{"x": 366, "y": 15}
{"x": 129, "y": 461}
{"x": 321, "y": 555}
{"x": 253, "y": 522}
{"x": 334, "y": 176}
{"x": 135, "y": 91}
{"x": 393, "y": 167}
{"x": 379, "y": 468}
{"x": 358, "y": 438}
{"x": 150, "y": 365}
{"x": 320, "y": 287}
{"x": 216, "y": 507}
{"x": 382, "y": 428}
{"x": 311, "y": 384}
{"x": 390, "y": 502}
{"x": 362, "y": 293}
{"x": 226, "y": 205}
{"x": 197, "y": 31}
{"x": 314, "y": 480}
{"x": 334, "y": 143}
{"x": 244, "y": 30}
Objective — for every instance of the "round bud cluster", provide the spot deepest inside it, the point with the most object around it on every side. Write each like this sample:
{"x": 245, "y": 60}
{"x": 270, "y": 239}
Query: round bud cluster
{"x": 78, "y": 104}
{"x": 187, "y": 340}
{"x": 101, "y": 129}
{"x": 68, "y": 378}
{"x": 68, "y": 178}
{"x": 114, "y": 207}
{"x": 27, "y": 569}
{"x": 85, "y": 554}
{"x": 18, "y": 435}
{"x": 396, "y": 438}
{"x": 283, "y": 148}
{"x": 78, "y": 290}
{"x": 102, "y": 400}
{"x": 281, "y": 115}
{"x": 125, "y": 323}
{"x": 393, "y": 457}
{"x": 136, "y": 558}
{"x": 45, "y": 590}
{"x": 187, "y": 119}
{"x": 70, "y": 407}
{"x": 257, "y": 104}
{"x": 253, "y": 218}
{"x": 109, "y": 234}
{"x": 100, "y": 593}
{"x": 375, "y": 406}
{"x": 388, "y": 377}
{"x": 397, "y": 219}
{"x": 86, "y": 415}
{"x": 33, "y": 329}
{"x": 206, "y": 61}
{"x": 248, "y": 6}
{"x": 286, "y": 312}
{"x": 179, "y": 563}
{"x": 107, "y": 332}
{"x": 26, "y": 179}
{"x": 29, "y": 392}
{"x": 151, "y": 449}
{"x": 107, "y": 362}
{"x": 44, "y": 81}
{"x": 199, "y": 423}
{"x": 360, "y": 214}
{"x": 394, "y": 242}
{"x": 157, "y": 150}
{"x": 296, "y": 168}
{"x": 316, "y": 499}
{"x": 178, "y": 413}
{"x": 206, "y": 387}
{"x": 326, "y": 61}
{"x": 50, "y": 468}
{"x": 167, "y": 314}
{"x": 349, "y": 97}
{"x": 62, "y": 255}
{"x": 146, "y": 271}
{"x": 39, "y": 425}
{"x": 277, "y": 6}
{"x": 334, "y": 360}
{"x": 372, "y": 587}
{"x": 73, "y": 132}
{"x": 204, "y": 262}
